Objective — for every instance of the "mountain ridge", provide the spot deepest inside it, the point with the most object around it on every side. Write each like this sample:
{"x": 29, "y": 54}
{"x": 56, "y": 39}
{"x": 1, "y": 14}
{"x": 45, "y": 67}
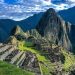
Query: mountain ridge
{"x": 68, "y": 15}
{"x": 48, "y": 18}
{"x": 53, "y": 27}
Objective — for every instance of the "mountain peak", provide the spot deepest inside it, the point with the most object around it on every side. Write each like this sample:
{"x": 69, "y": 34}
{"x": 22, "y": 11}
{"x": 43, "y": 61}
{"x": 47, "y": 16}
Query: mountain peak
{"x": 50, "y": 17}
{"x": 53, "y": 28}
{"x": 51, "y": 11}
{"x": 16, "y": 30}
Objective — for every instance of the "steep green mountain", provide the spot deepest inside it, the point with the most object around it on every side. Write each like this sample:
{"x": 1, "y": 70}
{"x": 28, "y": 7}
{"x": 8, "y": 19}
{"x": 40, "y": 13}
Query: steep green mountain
{"x": 55, "y": 29}
{"x": 16, "y": 34}
{"x": 7, "y": 25}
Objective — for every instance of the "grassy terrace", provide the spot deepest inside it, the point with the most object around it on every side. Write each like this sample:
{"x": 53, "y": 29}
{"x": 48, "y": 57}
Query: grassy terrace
{"x": 8, "y": 69}
{"x": 47, "y": 66}
{"x": 69, "y": 59}
{"x": 23, "y": 46}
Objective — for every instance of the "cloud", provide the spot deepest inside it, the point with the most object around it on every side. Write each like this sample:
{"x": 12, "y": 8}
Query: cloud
{"x": 25, "y": 8}
{"x": 71, "y": 0}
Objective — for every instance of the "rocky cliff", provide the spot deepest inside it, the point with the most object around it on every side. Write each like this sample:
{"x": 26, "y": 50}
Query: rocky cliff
{"x": 55, "y": 29}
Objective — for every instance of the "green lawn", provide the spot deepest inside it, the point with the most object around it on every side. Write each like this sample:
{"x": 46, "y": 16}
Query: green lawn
{"x": 8, "y": 69}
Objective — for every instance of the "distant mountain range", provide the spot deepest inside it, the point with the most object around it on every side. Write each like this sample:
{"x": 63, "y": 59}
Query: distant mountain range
{"x": 6, "y": 25}
{"x": 68, "y": 15}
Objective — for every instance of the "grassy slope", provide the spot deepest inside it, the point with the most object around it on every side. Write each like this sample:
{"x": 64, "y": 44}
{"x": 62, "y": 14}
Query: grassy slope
{"x": 8, "y": 69}
{"x": 69, "y": 59}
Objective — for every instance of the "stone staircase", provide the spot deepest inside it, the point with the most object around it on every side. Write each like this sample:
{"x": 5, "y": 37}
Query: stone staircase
{"x": 23, "y": 59}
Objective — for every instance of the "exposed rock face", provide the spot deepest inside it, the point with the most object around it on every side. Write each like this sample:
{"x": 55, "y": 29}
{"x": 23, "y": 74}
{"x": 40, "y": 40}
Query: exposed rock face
{"x": 34, "y": 32}
{"x": 12, "y": 40}
{"x": 53, "y": 27}
{"x": 16, "y": 30}
{"x": 16, "y": 34}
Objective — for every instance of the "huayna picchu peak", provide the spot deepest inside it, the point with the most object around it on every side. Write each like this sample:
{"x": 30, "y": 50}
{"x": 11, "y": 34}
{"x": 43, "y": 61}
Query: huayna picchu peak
{"x": 45, "y": 49}
{"x": 55, "y": 29}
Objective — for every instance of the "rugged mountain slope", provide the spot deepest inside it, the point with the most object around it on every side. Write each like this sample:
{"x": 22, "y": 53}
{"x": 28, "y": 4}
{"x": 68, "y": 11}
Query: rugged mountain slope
{"x": 55, "y": 29}
{"x": 16, "y": 30}
{"x": 16, "y": 34}
{"x": 31, "y": 22}
{"x": 7, "y": 25}
{"x": 50, "y": 23}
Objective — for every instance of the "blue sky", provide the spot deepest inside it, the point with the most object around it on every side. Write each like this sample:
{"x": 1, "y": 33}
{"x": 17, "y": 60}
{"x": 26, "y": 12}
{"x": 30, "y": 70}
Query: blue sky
{"x": 21, "y": 9}
{"x": 10, "y": 1}
{"x": 13, "y": 1}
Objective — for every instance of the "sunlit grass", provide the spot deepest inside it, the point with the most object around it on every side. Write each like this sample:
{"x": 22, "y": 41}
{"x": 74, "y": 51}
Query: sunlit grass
{"x": 22, "y": 46}
{"x": 8, "y": 69}
{"x": 69, "y": 59}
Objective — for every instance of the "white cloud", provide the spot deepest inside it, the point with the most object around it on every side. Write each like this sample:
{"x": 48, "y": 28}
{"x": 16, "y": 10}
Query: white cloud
{"x": 71, "y": 0}
{"x": 30, "y": 7}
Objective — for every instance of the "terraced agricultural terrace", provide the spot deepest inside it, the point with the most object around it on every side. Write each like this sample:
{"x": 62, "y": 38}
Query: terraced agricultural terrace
{"x": 36, "y": 58}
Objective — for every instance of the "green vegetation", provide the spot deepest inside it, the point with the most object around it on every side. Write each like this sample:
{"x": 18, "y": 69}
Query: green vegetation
{"x": 69, "y": 59}
{"x": 47, "y": 67}
{"x": 24, "y": 46}
{"x": 8, "y": 69}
